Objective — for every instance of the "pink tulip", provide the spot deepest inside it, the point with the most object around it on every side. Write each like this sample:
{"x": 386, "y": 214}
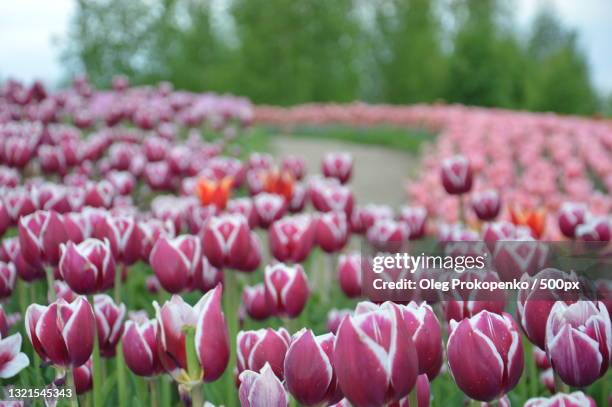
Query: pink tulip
{"x": 140, "y": 349}
{"x": 338, "y": 165}
{"x": 9, "y": 177}
{"x": 40, "y": 237}
{"x": 299, "y": 198}
{"x": 261, "y": 389}
{"x": 123, "y": 181}
{"x": 260, "y": 161}
{"x": 423, "y": 394}
{"x": 375, "y": 340}
{"x": 595, "y": 229}
{"x": 124, "y": 235}
{"x": 332, "y": 231}
{"x": 155, "y": 148}
{"x": 87, "y": 267}
{"x": 295, "y": 165}
{"x": 269, "y": 208}
{"x": 335, "y": 317}
{"x": 18, "y": 202}
{"x": 83, "y": 377}
{"x": 579, "y": 341}
{"x": 456, "y": 175}
{"x": 211, "y": 337}
{"x": 570, "y": 216}
{"x": 206, "y": 277}
{"x": 468, "y": 303}
{"x": 388, "y": 235}
{"x": 329, "y": 196}
{"x": 497, "y": 341}
{"x": 198, "y": 215}
{"x": 255, "y": 302}
{"x": 100, "y": 194}
{"x": 286, "y": 289}
{"x": 349, "y": 274}
{"x": 151, "y": 231}
{"x": 4, "y": 323}
{"x": 575, "y": 399}
{"x": 12, "y": 360}
{"x": 176, "y": 261}
{"x": 486, "y": 204}
{"x": 243, "y": 206}
{"x": 291, "y": 238}
{"x": 52, "y": 159}
{"x": 226, "y": 240}
{"x": 109, "y": 320}
{"x": 62, "y": 333}
{"x": 255, "y": 349}
{"x": 5, "y": 219}
{"x": 12, "y": 253}
{"x": 424, "y": 328}
{"x": 415, "y": 217}
{"x": 8, "y": 275}
{"x": 541, "y": 358}
{"x": 309, "y": 372}
{"x": 253, "y": 259}
{"x": 63, "y": 291}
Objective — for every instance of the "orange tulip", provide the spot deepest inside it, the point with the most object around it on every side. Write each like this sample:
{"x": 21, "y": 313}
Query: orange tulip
{"x": 535, "y": 219}
{"x": 279, "y": 182}
{"x": 213, "y": 192}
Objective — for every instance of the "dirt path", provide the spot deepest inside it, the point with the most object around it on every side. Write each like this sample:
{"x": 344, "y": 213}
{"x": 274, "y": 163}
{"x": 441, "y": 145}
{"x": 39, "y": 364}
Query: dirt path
{"x": 379, "y": 173}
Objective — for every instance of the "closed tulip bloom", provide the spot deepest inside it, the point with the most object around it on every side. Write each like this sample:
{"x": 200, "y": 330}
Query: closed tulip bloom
{"x": 253, "y": 259}
{"x": 571, "y": 215}
{"x": 207, "y": 276}
{"x": 63, "y": 291}
{"x": 18, "y": 202}
{"x": 5, "y": 219}
{"x": 52, "y": 159}
{"x": 415, "y": 217}
{"x": 295, "y": 165}
{"x": 99, "y": 194}
{"x": 261, "y": 389}
{"x": 8, "y": 274}
{"x": 109, "y": 320}
{"x": 140, "y": 349}
{"x": 211, "y": 192}
{"x": 575, "y": 399}
{"x": 299, "y": 198}
{"x": 83, "y": 377}
{"x": 309, "y": 372}
{"x": 255, "y": 302}
{"x": 12, "y": 253}
{"x": 335, "y": 317}
{"x": 456, "y": 175}
{"x": 291, "y": 238}
{"x": 211, "y": 338}
{"x": 12, "y": 360}
{"x": 226, "y": 240}
{"x": 338, "y": 165}
{"x": 595, "y": 229}
{"x": 388, "y": 235}
{"x": 329, "y": 196}
{"x": 255, "y": 349}
{"x": 151, "y": 230}
{"x": 423, "y": 394}
{"x": 541, "y": 358}
{"x": 497, "y": 342}
{"x": 375, "y": 359}
{"x": 486, "y": 204}
{"x": 176, "y": 261}
{"x": 278, "y": 182}
{"x": 579, "y": 341}
{"x": 332, "y": 231}
{"x": 62, "y": 333}
{"x": 40, "y": 237}
{"x": 87, "y": 267}
{"x": 269, "y": 207}
{"x": 286, "y": 289}
{"x": 243, "y": 206}
{"x": 349, "y": 274}
{"x": 123, "y": 234}
{"x": 424, "y": 328}
{"x": 123, "y": 181}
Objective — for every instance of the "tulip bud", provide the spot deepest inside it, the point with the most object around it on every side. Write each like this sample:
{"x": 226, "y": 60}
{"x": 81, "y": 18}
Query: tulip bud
{"x": 269, "y": 207}
{"x": 456, "y": 175}
{"x": 226, "y": 240}
{"x": 286, "y": 289}
{"x": 541, "y": 358}
{"x": 424, "y": 328}
{"x": 12, "y": 360}
{"x": 291, "y": 238}
{"x": 62, "y": 333}
{"x": 375, "y": 340}
{"x": 255, "y": 349}
{"x": 109, "y": 320}
{"x": 575, "y": 399}
{"x": 8, "y": 274}
{"x": 595, "y": 229}
{"x": 261, "y": 389}
{"x": 40, "y": 237}
{"x": 63, "y": 291}
{"x": 486, "y": 204}
{"x": 330, "y": 196}
{"x": 83, "y": 377}
{"x": 5, "y": 219}
{"x": 255, "y": 302}
{"x": 140, "y": 349}
{"x": 175, "y": 318}
{"x": 332, "y": 231}
{"x": 211, "y": 192}
{"x": 309, "y": 372}
{"x": 337, "y": 165}
{"x": 579, "y": 341}
{"x": 570, "y": 216}
{"x": 176, "y": 261}
{"x": 87, "y": 267}
{"x": 260, "y": 161}
{"x": 415, "y": 217}
{"x": 349, "y": 274}
{"x": 547, "y": 378}
{"x": 123, "y": 234}
{"x": 335, "y": 317}
{"x": 497, "y": 341}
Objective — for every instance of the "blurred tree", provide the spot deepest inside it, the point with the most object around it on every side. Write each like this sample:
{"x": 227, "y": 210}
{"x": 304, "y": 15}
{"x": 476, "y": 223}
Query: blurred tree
{"x": 409, "y": 55}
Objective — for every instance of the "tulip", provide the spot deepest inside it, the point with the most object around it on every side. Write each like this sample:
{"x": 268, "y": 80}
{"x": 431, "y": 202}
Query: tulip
{"x": 87, "y": 267}
{"x": 286, "y": 289}
{"x": 522, "y": 256}
{"x": 5, "y": 219}
{"x": 415, "y": 217}
{"x": 595, "y": 229}
{"x": 291, "y": 238}
{"x": 486, "y": 204}
{"x": 349, "y": 274}
{"x": 541, "y": 358}
{"x": 456, "y": 175}
{"x": 255, "y": 349}
{"x": 13, "y": 254}
{"x": 294, "y": 165}
{"x": 375, "y": 341}
{"x": 496, "y": 231}
{"x": 261, "y": 389}
{"x": 547, "y": 379}
{"x": 423, "y": 394}
{"x": 63, "y": 291}
{"x": 206, "y": 277}
{"x": 12, "y": 360}
{"x": 9, "y": 177}
{"x": 175, "y": 338}
{"x": 575, "y": 399}
{"x": 362, "y": 218}
{"x": 198, "y": 215}
{"x": 176, "y": 261}
{"x": 299, "y": 198}
{"x": 253, "y": 259}
{"x": 269, "y": 208}
{"x": 309, "y": 372}
{"x": 330, "y": 196}
{"x": 226, "y": 240}
{"x": 40, "y": 237}
{"x": 535, "y": 220}
{"x": 425, "y": 331}
{"x": 83, "y": 378}
{"x": 497, "y": 342}
{"x": 52, "y": 159}
{"x": 109, "y": 320}
{"x": 100, "y": 194}
{"x": 335, "y": 317}
{"x": 4, "y": 323}
{"x": 332, "y": 231}
{"x": 214, "y": 192}
{"x": 244, "y": 206}
{"x": 337, "y": 165}
{"x": 255, "y": 302}
{"x": 62, "y": 333}
{"x": 124, "y": 235}
{"x": 123, "y": 181}
{"x": 8, "y": 274}
{"x": 278, "y": 182}
{"x": 260, "y": 161}
{"x": 18, "y": 203}
{"x": 151, "y": 230}
{"x": 579, "y": 341}
{"x": 388, "y": 235}
{"x": 140, "y": 349}
{"x": 570, "y": 216}
{"x": 468, "y": 303}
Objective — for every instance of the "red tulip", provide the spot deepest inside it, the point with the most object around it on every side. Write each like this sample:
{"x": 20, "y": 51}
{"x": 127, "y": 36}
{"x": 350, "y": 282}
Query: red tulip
{"x": 255, "y": 302}
{"x": 88, "y": 267}
{"x": 83, "y": 377}
{"x": 255, "y": 349}
{"x": 291, "y": 238}
{"x": 109, "y": 320}
{"x": 338, "y": 165}
{"x": 140, "y": 349}
{"x": 375, "y": 340}
{"x": 349, "y": 274}
{"x": 424, "y": 328}
{"x": 535, "y": 220}
{"x": 40, "y": 237}
{"x": 332, "y": 231}
{"x": 486, "y": 204}
{"x": 211, "y": 337}
{"x": 12, "y": 360}
{"x": 595, "y": 229}
{"x": 212, "y": 192}
{"x": 456, "y": 175}
{"x": 8, "y": 274}
{"x": 226, "y": 240}
{"x": 575, "y": 399}
{"x": 497, "y": 342}
{"x": 579, "y": 341}
{"x": 261, "y": 389}
{"x": 176, "y": 261}
{"x": 286, "y": 289}
{"x": 570, "y": 216}
{"x": 269, "y": 207}
{"x": 62, "y": 333}
{"x": 415, "y": 217}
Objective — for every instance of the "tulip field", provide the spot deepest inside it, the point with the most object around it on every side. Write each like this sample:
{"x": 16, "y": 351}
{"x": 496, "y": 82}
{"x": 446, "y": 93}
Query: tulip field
{"x": 153, "y": 253}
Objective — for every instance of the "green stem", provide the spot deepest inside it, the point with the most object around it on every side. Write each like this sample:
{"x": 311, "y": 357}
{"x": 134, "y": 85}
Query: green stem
{"x": 51, "y": 284}
{"x": 165, "y": 390}
{"x": 153, "y": 389}
{"x": 121, "y": 379}
{"x": 532, "y": 372}
{"x": 197, "y": 396}
{"x": 74, "y": 400}
{"x": 413, "y": 401}
{"x": 230, "y": 306}
{"x": 604, "y": 389}
{"x": 97, "y": 365}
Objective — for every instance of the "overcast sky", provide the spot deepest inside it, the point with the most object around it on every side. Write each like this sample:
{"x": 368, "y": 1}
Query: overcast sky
{"x": 30, "y": 31}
